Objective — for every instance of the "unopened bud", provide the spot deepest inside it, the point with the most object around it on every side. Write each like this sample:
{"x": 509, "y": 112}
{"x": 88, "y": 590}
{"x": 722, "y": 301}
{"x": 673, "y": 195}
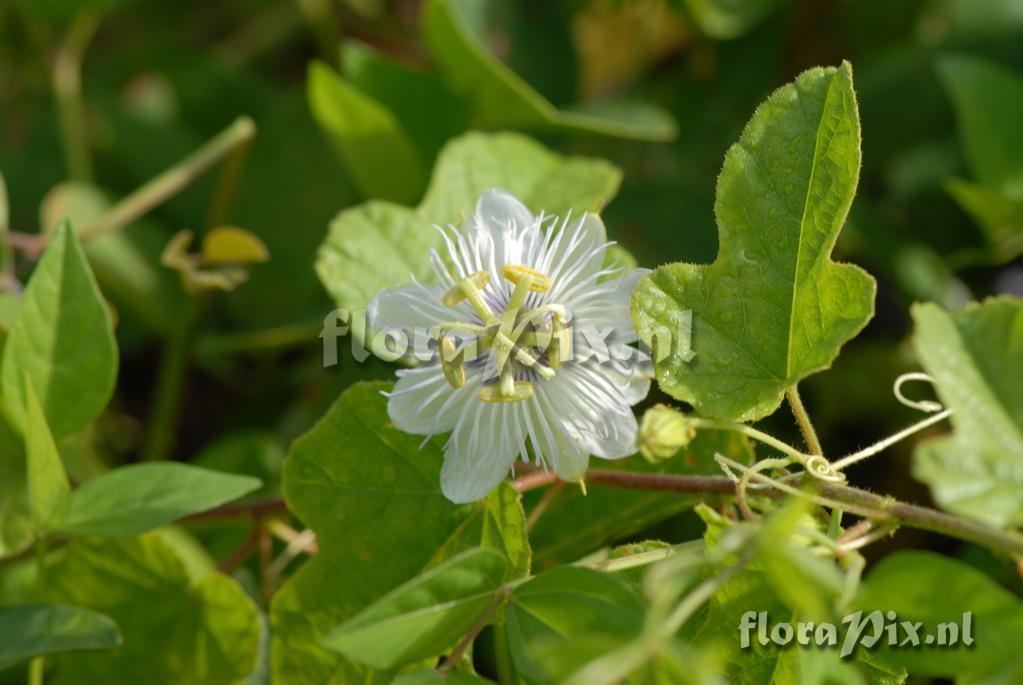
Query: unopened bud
{"x": 663, "y": 431}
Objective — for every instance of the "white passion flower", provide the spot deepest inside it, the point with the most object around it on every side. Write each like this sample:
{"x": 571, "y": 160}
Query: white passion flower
{"x": 529, "y": 342}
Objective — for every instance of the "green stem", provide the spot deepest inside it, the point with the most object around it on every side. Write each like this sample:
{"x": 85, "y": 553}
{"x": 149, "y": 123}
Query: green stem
{"x": 67, "y": 88}
{"x": 170, "y": 386}
{"x": 280, "y": 337}
{"x": 36, "y": 669}
{"x": 751, "y": 432}
{"x": 171, "y": 181}
{"x": 805, "y": 425}
{"x": 227, "y": 184}
{"x": 36, "y": 666}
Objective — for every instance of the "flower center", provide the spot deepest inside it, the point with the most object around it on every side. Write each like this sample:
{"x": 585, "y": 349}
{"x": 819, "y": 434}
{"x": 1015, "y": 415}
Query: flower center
{"x": 530, "y": 339}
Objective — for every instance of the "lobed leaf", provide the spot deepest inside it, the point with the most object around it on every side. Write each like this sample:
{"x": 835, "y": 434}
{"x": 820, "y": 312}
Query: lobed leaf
{"x": 772, "y": 308}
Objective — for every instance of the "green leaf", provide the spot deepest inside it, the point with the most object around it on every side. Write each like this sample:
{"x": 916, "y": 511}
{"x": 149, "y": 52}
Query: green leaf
{"x": 426, "y": 616}
{"x": 988, "y": 101}
{"x": 63, "y": 340}
{"x": 563, "y": 604}
{"x": 976, "y": 358}
{"x": 379, "y": 156}
{"x": 453, "y": 30}
{"x": 36, "y": 630}
{"x": 177, "y": 629}
{"x": 126, "y": 262}
{"x": 137, "y": 498}
{"x": 49, "y": 493}
{"x": 716, "y": 626}
{"x": 504, "y": 528}
{"x": 773, "y": 308}
{"x": 378, "y": 245}
{"x": 998, "y": 214}
{"x": 16, "y": 527}
{"x": 931, "y": 588}
{"x": 576, "y": 524}
{"x": 428, "y": 111}
{"x": 373, "y": 497}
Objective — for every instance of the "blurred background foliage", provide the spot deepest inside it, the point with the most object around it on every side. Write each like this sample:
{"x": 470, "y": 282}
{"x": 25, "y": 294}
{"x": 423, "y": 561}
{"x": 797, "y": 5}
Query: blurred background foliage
{"x": 353, "y": 100}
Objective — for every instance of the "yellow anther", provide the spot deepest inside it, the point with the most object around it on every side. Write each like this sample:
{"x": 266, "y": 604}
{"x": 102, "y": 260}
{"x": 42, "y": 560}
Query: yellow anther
{"x": 522, "y": 390}
{"x": 465, "y": 288}
{"x": 451, "y": 363}
{"x": 515, "y": 272}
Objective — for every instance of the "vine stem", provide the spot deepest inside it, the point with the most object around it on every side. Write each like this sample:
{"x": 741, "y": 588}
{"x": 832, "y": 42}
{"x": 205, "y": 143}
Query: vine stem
{"x": 751, "y": 432}
{"x": 863, "y": 502}
{"x": 171, "y": 181}
{"x": 867, "y": 503}
{"x": 803, "y": 418}
{"x": 891, "y": 440}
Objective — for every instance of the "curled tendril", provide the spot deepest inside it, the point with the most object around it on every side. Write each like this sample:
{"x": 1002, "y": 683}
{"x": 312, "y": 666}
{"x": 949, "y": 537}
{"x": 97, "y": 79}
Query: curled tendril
{"x": 819, "y": 467}
{"x": 928, "y": 406}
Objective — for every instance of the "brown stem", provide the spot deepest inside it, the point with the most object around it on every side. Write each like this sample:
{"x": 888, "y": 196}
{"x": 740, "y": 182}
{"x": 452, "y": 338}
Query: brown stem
{"x": 241, "y": 553}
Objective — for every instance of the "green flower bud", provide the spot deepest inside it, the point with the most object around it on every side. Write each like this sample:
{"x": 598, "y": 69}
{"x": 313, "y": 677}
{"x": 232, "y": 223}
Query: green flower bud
{"x": 663, "y": 431}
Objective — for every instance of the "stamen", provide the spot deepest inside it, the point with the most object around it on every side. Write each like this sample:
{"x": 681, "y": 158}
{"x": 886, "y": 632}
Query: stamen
{"x": 507, "y": 382}
{"x": 560, "y": 349}
{"x": 522, "y": 390}
{"x": 469, "y": 288}
{"x": 451, "y": 363}
{"x": 539, "y": 283}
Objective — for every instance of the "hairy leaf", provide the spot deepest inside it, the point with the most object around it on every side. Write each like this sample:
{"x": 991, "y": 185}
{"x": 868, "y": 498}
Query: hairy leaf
{"x": 976, "y": 358}
{"x": 773, "y": 308}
